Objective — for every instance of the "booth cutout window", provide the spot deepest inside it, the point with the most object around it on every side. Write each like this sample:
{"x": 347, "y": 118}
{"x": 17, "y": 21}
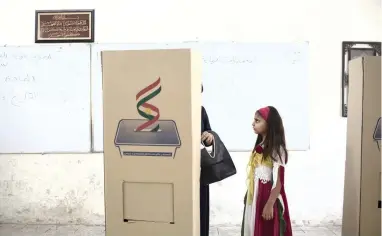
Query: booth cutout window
{"x": 148, "y": 202}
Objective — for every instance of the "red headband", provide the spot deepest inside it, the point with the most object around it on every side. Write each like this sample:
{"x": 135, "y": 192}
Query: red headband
{"x": 264, "y": 112}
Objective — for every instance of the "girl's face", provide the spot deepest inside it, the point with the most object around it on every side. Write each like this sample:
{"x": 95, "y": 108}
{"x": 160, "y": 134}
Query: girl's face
{"x": 259, "y": 125}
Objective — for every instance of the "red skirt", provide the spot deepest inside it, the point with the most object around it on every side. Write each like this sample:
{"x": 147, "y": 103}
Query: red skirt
{"x": 280, "y": 225}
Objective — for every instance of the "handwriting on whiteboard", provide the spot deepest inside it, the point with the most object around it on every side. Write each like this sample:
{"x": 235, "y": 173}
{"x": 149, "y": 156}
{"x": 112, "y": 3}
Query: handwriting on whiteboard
{"x": 19, "y": 78}
{"x": 16, "y": 87}
{"x": 20, "y": 99}
{"x": 227, "y": 60}
{"x": 17, "y": 96}
{"x": 4, "y": 57}
{"x": 292, "y": 58}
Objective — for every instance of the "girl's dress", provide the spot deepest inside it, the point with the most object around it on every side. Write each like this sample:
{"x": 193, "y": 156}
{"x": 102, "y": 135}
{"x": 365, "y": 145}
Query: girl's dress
{"x": 262, "y": 178}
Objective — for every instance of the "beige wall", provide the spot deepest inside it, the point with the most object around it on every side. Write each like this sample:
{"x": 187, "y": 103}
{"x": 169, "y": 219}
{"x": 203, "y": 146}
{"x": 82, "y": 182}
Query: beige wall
{"x": 69, "y": 188}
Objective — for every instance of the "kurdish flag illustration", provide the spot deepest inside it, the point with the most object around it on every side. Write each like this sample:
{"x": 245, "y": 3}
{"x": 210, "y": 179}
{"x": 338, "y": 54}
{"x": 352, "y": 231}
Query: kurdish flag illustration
{"x": 149, "y": 136}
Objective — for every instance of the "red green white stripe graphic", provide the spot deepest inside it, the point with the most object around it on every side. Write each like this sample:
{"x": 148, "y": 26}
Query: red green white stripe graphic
{"x": 145, "y": 109}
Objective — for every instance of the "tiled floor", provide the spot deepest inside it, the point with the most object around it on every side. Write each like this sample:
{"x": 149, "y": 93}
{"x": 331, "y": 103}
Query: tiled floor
{"x": 79, "y": 230}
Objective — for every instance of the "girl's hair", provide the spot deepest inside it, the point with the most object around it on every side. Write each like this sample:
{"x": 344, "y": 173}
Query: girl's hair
{"x": 274, "y": 143}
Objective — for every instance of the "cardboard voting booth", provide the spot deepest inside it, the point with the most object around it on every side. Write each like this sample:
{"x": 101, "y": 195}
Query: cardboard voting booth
{"x": 152, "y": 112}
{"x": 362, "y": 190}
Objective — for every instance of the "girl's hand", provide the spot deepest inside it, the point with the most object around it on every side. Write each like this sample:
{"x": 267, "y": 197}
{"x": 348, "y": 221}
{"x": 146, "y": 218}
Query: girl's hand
{"x": 268, "y": 212}
{"x": 207, "y": 138}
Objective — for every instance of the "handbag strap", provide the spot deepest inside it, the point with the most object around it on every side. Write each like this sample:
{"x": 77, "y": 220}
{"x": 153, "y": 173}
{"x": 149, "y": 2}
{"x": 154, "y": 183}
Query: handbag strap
{"x": 213, "y": 149}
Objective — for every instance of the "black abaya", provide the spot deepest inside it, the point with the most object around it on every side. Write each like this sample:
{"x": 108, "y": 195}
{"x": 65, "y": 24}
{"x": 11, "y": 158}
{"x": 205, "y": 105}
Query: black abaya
{"x": 204, "y": 210}
{"x": 205, "y": 189}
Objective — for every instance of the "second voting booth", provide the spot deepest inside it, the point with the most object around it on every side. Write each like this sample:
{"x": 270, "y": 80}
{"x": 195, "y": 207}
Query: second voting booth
{"x": 362, "y": 190}
{"x": 151, "y": 107}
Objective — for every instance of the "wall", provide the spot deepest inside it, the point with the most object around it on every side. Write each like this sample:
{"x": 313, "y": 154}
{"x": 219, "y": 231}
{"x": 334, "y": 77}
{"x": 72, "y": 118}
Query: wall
{"x": 69, "y": 188}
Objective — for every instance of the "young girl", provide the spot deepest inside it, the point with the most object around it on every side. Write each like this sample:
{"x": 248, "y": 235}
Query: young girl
{"x": 266, "y": 208}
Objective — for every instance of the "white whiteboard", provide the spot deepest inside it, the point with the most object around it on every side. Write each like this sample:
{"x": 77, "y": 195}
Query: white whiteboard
{"x": 238, "y": 79}
{"x": 45, "y": 99}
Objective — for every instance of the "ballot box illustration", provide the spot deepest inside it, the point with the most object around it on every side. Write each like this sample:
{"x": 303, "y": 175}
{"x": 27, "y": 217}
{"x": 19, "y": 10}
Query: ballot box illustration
{"x": 160, "y": 143}
{"x": 362, "y": 186}
{"x": 151, "y": 118}
{"x": 149, "y": 136}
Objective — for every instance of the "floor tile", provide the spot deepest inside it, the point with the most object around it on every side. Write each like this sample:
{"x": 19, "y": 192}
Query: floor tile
{"x": 317, "y": 231}
{"x": 336, "y": 230}
{"x": 35, "y": 230}
{"x": 63, "y": 230}
{"x": 229, "y": 231}
{"x": 11, "y": 230}
{"x": 214, "y": 231}
{"x": 90, "y": 231}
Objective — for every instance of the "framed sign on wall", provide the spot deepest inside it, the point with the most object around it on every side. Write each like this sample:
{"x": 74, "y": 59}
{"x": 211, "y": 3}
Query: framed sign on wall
{"x": 64, "y": 26}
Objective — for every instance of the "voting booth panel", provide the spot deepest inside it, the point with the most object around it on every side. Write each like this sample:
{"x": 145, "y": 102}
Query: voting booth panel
{"x": 152, "y": 111}
{"x": 362, "y": 190}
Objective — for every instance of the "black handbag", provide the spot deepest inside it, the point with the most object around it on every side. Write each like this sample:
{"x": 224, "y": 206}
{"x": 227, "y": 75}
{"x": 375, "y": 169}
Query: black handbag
{"x": 218, "y": 164}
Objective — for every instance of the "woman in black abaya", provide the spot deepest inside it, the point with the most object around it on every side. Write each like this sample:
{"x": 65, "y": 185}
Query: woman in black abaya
{"x": 207, "y": 139}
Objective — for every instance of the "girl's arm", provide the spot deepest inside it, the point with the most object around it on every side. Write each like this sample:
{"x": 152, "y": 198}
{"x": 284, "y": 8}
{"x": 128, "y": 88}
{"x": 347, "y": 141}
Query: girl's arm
{"x": 278, "y": 179}
{"x": 276, "y": 188}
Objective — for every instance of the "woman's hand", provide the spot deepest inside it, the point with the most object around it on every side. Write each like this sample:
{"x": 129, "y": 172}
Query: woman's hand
{"x": 207, "y": 138}
{"x": 268, "y": 211}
